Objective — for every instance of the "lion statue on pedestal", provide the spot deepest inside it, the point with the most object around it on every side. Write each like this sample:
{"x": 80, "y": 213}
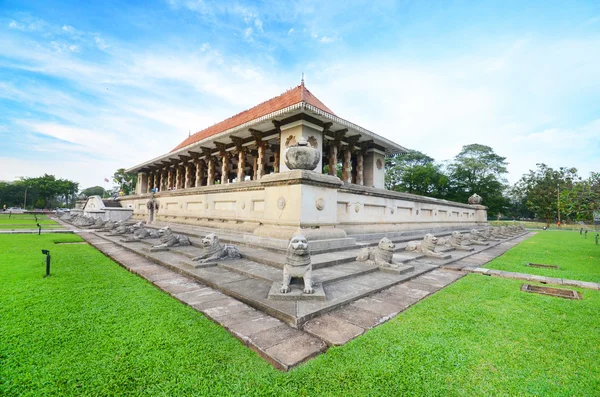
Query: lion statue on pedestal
{"x": 475, "y": 237}
{"x": 214, "y": 251}
{"x": 427, "y": 246}
{"x": 381, "y": 256}
{"x": 297, "y": 264}
{"x": 169, "y": 239}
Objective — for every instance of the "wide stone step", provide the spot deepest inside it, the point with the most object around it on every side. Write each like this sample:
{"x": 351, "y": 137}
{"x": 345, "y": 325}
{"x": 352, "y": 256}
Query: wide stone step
{"x": 324, "y": 276}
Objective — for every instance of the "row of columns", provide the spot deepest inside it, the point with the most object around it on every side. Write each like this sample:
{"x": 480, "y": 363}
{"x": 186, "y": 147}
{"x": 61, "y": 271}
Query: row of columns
{"x": 349, "y": 174}
{"x": 202, "y": 172}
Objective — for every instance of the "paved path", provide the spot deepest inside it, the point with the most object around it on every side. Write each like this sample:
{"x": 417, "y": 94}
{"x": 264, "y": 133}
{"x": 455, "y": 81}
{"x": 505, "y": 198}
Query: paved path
{"x": 532, "y": 277}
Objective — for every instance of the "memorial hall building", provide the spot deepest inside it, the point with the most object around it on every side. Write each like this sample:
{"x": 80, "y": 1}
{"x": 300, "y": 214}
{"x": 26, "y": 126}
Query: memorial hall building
{"x": 249, "y": 174}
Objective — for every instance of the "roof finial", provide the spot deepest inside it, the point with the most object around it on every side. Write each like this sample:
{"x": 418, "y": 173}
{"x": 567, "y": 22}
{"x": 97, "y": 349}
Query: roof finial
{"x": 302, "y": 81}
{"x": 189, "y": 133}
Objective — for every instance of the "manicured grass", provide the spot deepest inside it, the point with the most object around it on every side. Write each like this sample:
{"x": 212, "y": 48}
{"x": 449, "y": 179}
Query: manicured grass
{"x": 26, "y": 221}
{"x": 92, "y": 328}
{"x": 541, "y": 225}
{"x": 34, "y": 226}
{"x": 577, "y": 257}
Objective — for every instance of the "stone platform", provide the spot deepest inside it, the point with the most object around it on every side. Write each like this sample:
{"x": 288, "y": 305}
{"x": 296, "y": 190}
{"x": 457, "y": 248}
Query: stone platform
{"x": 235, "y": 293}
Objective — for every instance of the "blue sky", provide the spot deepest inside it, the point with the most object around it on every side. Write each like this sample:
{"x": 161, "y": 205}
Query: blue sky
{"x": 89, "y": 87}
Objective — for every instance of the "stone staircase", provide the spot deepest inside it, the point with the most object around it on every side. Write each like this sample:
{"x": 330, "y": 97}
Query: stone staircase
{"x": 250, "y": 279}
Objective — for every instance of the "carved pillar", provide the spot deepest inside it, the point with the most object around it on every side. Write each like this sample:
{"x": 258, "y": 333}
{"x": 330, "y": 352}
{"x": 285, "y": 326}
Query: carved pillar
{"x": 254, "y": 166}
{"x": 347, "y": 166}
{"x": 241, "y": 152}
{"x": 360, "y": 179}
{"x": 260, "y": 162}
{"x": 199, "y": 172}
{"x": 211, "y": 172}
{"x": 157, "y": 179}
{"x": 225, "y": 168}
{"x": 178, "y": 177}
{"x": 188, "y": 176}
{"x": 241, "y": 172}
{"x": 150, "y": 181}
{"x": 333, "y": 154}
{"x": 275, "y": 149}
{"x": 169, "y": 178}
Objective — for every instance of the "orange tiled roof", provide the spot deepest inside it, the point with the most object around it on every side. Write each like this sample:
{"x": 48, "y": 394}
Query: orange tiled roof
{"x": 289, "y": 98}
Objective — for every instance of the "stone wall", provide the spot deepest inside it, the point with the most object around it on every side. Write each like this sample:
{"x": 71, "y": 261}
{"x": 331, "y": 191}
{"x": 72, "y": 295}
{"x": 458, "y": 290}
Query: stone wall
{"x": 279, "y": 204}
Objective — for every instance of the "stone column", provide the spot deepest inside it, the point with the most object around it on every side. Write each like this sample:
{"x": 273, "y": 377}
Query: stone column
{"x": 260, "y": 162}
{"x": 225, "y": 168}
{"x": 157, "y": 179}
{"x": 254, "y": 166}
{"x": 211, "y": 172}
{"x": 169, "y": 178}
{"x": 178, "y": 177}
{"x": 161, "y": 183}
{"x": 150, "y": 182}
{"x": 360, "y": 179}
{"x": 241, "y": 173}
{"x": 188, "y": 176}
{"x": 199, "y": 172}
{"x": 333, "y": 154}
{"x": 142, "y": 183}
{"x": 275, "y": 149}
{"x": 347, "y": 167}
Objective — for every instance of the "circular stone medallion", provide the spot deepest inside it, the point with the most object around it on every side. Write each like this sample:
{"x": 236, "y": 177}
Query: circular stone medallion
{"x": 281, "y": 203}
{"x": 320, "y": 204}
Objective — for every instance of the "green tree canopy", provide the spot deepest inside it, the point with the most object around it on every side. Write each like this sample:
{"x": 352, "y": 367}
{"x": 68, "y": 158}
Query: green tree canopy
{"x": 125, "y": 181}
{"x": 478, "y": 169}
{"x": 93, "y": 191}
{"x": 540, "y": 189}
{"x": 415, "y": 172}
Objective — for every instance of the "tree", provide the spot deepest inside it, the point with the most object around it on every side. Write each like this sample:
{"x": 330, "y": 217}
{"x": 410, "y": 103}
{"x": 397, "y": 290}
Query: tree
{"x": 12, "y": 194}
{"x": 415, "y": 172}
{"x": 50, "y": 191}
{"x": 126, "y": 181}
{"x": 540, "y": 189}
{"x": 579, "y": 201}
{"x": 478, "y": 169}
{"x": 93, "y": 191}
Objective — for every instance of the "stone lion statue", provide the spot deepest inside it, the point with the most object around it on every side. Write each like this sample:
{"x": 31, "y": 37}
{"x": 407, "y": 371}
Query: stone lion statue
{"x": 98, "y": 224}
{"x": 297, "y": 264}
{"x": 475, "y": 237}
{"x": 214, "y": 251}
{"x": 169, "y": 239}
{"x": 110, "y": 225}
{"x": 456, "y": 241}
{"x": 487, "y": 234}
{"x": 84, "y": 221}
{"x": 381, "y": 256}
{"x": 427, "y": 246}
{"x": 142, "y": 233}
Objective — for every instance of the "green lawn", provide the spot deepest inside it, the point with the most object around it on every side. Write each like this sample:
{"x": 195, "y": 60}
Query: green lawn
{"x": 577, "y": 257}
{"x": 25, "y": 221}
{"x": 93, "y": 328}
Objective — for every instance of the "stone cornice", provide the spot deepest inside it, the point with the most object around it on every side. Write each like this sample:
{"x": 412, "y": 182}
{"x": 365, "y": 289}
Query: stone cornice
{"x": 370, "y": 191}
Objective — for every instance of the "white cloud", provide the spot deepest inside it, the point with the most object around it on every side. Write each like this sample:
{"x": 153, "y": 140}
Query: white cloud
{"x": 327, "y": 40}
{"x": 68, "y": 29}
{"x": 291, "y": 31}
{"x": 248, "y": 34}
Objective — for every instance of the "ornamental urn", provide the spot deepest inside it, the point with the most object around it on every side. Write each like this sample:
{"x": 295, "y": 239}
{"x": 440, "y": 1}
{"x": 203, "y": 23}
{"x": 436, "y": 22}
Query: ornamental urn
{"x": 475, "y": 199}
{"x": 302, "y": 156}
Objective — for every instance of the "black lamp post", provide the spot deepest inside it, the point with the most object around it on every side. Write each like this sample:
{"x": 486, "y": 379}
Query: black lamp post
{"x": 47, "y": 253}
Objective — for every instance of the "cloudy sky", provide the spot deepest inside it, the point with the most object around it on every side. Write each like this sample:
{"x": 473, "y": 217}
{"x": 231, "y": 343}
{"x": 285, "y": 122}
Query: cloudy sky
{"x": 89, "y": 87}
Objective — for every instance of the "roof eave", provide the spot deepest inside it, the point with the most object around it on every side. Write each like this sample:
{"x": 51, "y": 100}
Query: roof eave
{"x": 390, "y": 146}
